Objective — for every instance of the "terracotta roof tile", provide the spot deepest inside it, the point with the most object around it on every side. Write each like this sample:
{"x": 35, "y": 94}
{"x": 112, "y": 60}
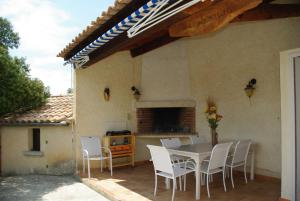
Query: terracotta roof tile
{"x": 58, "y": 109}
{"x": 106, "y": 15}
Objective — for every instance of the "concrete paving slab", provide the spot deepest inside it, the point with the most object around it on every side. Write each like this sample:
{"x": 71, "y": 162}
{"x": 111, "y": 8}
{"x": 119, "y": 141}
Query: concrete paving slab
{"x": 46, "y": 188}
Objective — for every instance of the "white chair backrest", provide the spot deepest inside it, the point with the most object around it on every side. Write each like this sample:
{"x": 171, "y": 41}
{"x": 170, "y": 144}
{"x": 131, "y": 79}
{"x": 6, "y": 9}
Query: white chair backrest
{"x": 197, "y": 139}
{"x": 219, "y": 155}
{"x": 161, "y": 159}
{"x": 241, "y": 151}
{"x": 92, "y": 145}
{"x": 170, "y": 142}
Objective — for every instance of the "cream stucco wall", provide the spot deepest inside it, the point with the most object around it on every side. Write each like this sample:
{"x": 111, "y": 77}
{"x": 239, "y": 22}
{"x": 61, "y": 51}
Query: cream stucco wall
{"x": 94, "y": 115}
{"x": 227, "y": 61}
{"x": 56, "y": 146}
{"x": 217, "y": 65}
{"x": 165, "y": 73}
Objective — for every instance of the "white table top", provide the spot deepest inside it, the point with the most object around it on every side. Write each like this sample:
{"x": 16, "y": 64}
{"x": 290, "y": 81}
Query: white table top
{"x": 194, "y": 149}
{"x": 197, "y": 149}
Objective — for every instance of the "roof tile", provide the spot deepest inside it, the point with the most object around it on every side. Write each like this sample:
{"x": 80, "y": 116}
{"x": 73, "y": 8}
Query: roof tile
{"x": 58, "y": 109}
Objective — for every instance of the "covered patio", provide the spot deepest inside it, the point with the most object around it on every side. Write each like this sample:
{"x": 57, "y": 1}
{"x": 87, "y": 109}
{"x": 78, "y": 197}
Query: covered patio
{"x": 126, "y": 80}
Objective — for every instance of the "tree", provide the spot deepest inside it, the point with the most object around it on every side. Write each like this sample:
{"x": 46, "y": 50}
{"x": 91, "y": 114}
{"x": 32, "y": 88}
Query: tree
{"x": 8, "y": 38}
{"x": 17, "y": 90}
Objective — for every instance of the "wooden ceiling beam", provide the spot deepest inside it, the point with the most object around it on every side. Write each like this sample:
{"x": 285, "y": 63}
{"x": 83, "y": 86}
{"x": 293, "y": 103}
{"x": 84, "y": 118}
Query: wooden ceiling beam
{"x": 199, "y": 7}
{"x": 267, "y": 1}
{"x": 156, "y": 43}
{"x": 199, "y": 19}
{"x": 269, "y": 11}
{"x": 211, "y": 18}
{"x": 107, "y": 49}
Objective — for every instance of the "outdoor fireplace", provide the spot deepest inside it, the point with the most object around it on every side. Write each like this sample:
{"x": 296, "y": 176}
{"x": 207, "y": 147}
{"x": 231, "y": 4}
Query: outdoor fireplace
{"x": 166, "y": 120}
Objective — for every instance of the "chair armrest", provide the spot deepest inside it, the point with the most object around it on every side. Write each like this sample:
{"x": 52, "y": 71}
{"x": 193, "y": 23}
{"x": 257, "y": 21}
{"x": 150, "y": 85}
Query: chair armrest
{"x": 107, "y": 150}
{"x": 175, "y": 161}
{"x": 85, "y": 152}
{"x": 188, "y": 161}
{"x": 178, "y": 163}
{"x": 178, "y": 158}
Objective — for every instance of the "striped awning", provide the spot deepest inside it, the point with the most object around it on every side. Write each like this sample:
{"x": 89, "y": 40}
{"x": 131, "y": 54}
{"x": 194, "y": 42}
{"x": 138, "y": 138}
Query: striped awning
{"x": 82, "y": 57}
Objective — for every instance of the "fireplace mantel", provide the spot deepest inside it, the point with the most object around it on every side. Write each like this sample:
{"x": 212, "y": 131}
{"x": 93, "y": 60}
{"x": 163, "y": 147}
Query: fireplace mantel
{"x": 165, "y": 104}
{"x": 165, "y": 135}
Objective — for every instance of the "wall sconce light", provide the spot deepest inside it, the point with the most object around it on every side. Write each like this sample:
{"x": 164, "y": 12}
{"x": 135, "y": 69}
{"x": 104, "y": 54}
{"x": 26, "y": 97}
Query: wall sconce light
{"x": 106, "y": 94}
{"x": 136, "y": 93}
{"x": 249, "y": 89}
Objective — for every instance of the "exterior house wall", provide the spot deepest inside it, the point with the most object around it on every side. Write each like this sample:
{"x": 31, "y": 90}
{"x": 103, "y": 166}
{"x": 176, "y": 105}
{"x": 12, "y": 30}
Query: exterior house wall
{"x": 218, "y": 65}
{"x": 228, "y": 61}
{"x": 55, "y": 144}
{"x": 94, "y": 116}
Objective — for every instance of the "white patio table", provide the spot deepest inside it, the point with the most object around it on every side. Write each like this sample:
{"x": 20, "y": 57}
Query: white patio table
{"x": 198, "y": 152}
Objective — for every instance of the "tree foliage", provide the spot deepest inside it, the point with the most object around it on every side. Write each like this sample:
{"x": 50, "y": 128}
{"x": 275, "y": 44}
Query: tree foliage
{"x": 8, "y": 38}
{"x": 17, "y": 89}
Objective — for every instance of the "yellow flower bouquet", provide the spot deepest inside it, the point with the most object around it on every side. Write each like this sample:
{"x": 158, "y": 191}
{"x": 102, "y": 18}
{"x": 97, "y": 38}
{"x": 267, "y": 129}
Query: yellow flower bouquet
{"x": 211, "y": 114}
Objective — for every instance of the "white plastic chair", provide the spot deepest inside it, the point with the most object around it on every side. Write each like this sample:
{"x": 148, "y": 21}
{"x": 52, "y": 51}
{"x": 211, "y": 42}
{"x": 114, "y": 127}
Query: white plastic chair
{"x": 164, "y": 167}
{"x": 239, "y": 158}
{"x": 217, "y": 163}
{"x": 170, "y": 142}
{"x": 173, "y": 143}
{"x": 197, "y": 139}
{"x": 92, "y": 150}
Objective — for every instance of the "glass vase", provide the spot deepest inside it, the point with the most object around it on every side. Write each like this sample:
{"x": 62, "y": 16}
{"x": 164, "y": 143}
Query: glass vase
{"x": 214, "y": 136}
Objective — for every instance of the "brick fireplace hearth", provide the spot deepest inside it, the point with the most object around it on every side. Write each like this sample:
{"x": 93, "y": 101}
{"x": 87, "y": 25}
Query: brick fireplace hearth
{"x": 166, "y": 120}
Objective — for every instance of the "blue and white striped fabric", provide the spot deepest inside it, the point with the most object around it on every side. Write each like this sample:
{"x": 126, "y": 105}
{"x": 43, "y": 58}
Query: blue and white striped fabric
{"x": 122, "y": 26}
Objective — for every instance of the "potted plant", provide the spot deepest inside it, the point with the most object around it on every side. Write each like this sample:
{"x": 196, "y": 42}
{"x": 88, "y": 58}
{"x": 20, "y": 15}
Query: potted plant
{"x": 213, "y": 119}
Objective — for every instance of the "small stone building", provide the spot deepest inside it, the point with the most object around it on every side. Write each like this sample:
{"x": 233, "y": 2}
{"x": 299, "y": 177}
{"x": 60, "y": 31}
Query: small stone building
{"x": 38, "y": 141}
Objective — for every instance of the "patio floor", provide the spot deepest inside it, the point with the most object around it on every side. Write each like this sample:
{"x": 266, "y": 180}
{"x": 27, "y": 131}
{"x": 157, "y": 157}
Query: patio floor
{"x": 45, "y": 188}
{"x": 129, "y": 184}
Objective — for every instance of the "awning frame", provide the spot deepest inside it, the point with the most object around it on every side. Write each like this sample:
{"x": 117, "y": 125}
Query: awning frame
{"x": 158, "y": 14}
{"x": 148, "y": 15}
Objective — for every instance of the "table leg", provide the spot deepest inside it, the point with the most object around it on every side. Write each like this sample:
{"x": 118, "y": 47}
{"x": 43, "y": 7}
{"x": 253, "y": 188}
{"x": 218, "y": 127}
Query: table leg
{"x": 167, "y": 181}
{"x": 252, "y": 165}
{"x": 198, "y": 183}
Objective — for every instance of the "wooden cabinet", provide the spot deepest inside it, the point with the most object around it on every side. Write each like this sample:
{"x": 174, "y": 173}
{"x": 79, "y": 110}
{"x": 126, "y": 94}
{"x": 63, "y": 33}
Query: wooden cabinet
{"x": 122, "y": 149}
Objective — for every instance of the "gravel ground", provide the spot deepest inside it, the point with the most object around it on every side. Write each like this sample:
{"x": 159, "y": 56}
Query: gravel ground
{"x": 46, "y": 188}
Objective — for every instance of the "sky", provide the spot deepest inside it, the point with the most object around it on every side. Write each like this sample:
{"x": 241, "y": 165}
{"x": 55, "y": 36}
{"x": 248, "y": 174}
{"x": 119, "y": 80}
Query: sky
{"x": 45, "y": 27}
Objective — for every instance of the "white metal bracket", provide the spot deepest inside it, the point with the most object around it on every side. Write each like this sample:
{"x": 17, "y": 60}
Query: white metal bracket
{"x": 80, "y": 61}
{"x": 163, "y": 10}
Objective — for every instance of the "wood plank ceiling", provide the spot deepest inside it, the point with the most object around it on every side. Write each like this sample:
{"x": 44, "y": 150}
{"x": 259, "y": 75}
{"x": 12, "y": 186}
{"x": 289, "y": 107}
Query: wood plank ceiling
{"x": 199, "y": 19}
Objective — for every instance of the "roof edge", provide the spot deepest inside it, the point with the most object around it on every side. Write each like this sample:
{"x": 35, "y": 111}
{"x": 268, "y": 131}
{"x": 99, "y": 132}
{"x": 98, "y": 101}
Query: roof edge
{"x": 104, "y": 17}
{"x": 35, "y": 124}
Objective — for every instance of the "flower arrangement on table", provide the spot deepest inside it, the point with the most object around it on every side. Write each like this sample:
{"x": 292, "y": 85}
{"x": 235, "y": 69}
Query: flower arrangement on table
{"x": 213, "y": 119}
